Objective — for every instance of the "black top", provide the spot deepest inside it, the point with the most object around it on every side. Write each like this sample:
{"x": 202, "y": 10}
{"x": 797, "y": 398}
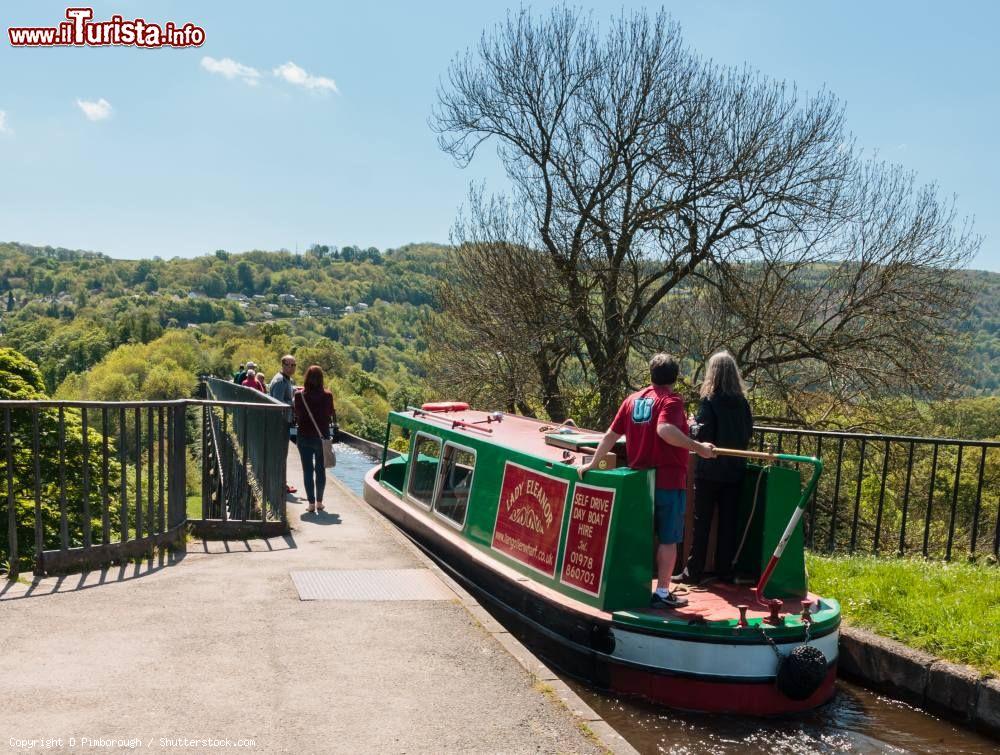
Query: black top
{"x": 727, "y": 422}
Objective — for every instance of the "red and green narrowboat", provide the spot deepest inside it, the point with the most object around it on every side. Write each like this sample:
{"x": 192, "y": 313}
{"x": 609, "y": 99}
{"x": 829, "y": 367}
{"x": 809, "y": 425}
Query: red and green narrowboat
{"x": 495, "y": 498}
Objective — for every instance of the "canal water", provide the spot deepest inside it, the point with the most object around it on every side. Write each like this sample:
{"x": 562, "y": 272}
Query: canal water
{"x": 856, "y": 721}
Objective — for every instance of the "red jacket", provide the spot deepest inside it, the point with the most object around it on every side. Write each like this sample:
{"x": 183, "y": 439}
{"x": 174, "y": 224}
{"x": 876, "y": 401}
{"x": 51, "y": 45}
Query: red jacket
{"x": 256, "y": 383}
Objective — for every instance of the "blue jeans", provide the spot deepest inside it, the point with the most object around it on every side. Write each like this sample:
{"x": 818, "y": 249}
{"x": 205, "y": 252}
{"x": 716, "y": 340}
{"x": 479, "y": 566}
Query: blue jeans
{"x": 311, "y": 453}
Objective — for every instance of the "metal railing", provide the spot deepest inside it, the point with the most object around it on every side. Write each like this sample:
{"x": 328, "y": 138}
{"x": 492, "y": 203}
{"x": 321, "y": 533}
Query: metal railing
{"x": 937, "y": 497}
{"x": 243, "y": 480}
{"x": 88, "y": 483}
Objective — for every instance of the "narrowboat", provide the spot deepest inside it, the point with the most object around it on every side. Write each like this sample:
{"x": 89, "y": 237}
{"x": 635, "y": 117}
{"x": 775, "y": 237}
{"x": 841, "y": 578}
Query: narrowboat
{"x": 495, "y": 499}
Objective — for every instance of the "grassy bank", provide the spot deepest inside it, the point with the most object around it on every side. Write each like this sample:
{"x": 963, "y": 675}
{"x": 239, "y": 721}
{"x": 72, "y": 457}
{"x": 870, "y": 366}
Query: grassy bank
{"x": 950, "y": 610}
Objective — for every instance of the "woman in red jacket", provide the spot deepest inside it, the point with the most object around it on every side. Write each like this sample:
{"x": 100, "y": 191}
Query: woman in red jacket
{"x": 314, "y": 412}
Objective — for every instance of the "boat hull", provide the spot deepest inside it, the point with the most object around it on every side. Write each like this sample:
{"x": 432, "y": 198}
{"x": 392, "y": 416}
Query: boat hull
{"x": 681, "y": 673}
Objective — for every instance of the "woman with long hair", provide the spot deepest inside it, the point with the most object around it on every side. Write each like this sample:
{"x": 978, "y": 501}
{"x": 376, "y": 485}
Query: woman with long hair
{"x": 725, "y": 420}
{"x": 314, "y": 411}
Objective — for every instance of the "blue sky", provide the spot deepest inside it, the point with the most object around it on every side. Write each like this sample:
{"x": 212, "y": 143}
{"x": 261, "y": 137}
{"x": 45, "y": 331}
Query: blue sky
{"x": 187, "y": 161}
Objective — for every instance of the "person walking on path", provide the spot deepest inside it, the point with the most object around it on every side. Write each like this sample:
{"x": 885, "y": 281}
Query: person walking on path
{"x": 255, "y": 381}
{"x": 725, "y": 420}
{"x": 656, "y": 437}
{"x": 314, "y": 412}
{"x": 282, "y": 388}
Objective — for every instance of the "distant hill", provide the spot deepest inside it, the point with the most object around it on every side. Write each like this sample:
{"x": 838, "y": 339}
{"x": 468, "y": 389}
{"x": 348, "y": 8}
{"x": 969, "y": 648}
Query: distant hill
{"x": 982, "y": 327}
{"x": 67, "y": 309}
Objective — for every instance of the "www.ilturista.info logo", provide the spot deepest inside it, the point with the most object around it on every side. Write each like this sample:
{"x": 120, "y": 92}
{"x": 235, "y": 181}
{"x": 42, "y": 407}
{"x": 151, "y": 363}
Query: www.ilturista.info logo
{"x": 80, "y": 30}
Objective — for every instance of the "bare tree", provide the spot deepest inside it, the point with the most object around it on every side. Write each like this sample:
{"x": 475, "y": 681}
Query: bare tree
{"x": 508, "y": 310}
{"x": 866, "y": 311}
{"x": 641, "y": 168}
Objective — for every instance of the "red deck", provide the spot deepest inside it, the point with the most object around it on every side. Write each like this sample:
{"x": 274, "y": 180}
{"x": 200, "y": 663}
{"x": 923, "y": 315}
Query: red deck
{"x": 513, "y": 431}
{"x": 718, "y": 601}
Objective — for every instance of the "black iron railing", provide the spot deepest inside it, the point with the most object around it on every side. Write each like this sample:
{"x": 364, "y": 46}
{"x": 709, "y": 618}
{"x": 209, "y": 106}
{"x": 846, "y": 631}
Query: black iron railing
{"x": 88, "y": 483}
{"x": 243, "y": 468}
{"x": 880, "y": 494}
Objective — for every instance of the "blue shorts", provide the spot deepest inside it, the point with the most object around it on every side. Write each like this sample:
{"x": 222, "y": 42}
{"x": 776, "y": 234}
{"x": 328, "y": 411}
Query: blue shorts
{"x": 668, "y": 515}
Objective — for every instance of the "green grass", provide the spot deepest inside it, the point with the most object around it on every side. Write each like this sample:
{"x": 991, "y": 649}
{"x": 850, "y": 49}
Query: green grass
{"x": 950, "y": 610}
{"x": 194, "y": 506}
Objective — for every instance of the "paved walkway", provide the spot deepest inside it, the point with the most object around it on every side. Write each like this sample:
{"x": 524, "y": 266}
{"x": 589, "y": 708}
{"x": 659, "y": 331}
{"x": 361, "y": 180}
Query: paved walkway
{"x": 218, "y": 645}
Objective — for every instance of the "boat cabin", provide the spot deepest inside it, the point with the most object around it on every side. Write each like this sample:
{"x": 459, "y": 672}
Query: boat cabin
{"x": 509, "y": 486}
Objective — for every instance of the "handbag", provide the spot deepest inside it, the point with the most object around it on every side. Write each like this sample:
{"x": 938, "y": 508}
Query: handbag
{"x": 329, "y": 455}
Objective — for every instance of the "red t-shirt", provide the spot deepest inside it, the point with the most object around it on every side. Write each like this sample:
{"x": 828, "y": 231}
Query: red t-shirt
{"x": 638, "y": 418}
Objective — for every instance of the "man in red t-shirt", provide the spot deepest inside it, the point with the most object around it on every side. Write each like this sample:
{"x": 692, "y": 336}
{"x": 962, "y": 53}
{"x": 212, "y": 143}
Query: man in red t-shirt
{"x": 656, "y": 437}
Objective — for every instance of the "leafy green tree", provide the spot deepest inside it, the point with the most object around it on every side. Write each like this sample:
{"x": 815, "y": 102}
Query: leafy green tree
{"x": 20, "y": 379}
{"x": 244, "y": 276}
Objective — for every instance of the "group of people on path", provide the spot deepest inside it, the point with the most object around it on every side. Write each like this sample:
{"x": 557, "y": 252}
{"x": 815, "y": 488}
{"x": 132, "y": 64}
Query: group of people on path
{"x": 658, "y": 435}
{"x": 314, "y": 413}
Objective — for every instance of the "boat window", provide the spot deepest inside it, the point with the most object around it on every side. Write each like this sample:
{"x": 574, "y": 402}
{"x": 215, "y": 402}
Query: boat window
{"x": 423, "y": 468}
{"x": 457, "y": 466}
{"x": 393, "y": 473}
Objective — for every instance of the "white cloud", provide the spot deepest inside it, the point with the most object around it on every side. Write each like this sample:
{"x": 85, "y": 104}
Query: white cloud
{"x": 230, "y": 69}
{"x": 293, "y": 74}
{"x": 95, "y": 111}
{"x": 4, "y": 128}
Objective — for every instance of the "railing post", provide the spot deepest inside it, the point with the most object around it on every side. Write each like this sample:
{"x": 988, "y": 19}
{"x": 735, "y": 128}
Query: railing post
{"x": 812, "y": 504}
{"x": 978, "y": 503}
{"x": 881, "y": 496}
{"x": 171, "y": 471}
{"x": 906, "y": 499}
{"x": 178, "y": 463}
{"x": 160, "y": 457}
{"x": 123, "y": 481}
{"x": 150, "y": 475}
{"x": 930, "y": 499}
{"x": 63, "y": 522}
{"x": 206, "y": 446}
{"x": 36, "y": 452}
{"x": 954, "y": 504}
{"x": 105, "y": 492}
{"x": 857, "y": 494}
{"x": 138, "y": 473}
{"x": 85, "y": 448}
{"x": 836, "y": 496}
{"x": 12, "y": 553}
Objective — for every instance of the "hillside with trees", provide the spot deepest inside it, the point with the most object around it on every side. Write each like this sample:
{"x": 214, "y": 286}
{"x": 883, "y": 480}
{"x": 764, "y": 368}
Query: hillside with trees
{"x": 108, "y": 329}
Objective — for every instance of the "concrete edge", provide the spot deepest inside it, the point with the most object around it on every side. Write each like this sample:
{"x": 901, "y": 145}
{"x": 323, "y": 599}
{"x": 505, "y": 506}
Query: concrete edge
{"x": 959, "y": 693}
{"x": 587, "y": 718}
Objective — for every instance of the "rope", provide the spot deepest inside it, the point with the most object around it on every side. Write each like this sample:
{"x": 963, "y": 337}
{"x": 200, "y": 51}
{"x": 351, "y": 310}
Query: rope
{"x": 753, "y": 510}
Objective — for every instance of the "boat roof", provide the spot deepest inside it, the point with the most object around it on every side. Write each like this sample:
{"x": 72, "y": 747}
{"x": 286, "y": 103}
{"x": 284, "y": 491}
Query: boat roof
{"x": 513, "y": 431}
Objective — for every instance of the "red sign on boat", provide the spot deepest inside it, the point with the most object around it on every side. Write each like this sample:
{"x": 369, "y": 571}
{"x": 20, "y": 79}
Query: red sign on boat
{"x": 587, "y": 539}
{"x": 529, "y": 517}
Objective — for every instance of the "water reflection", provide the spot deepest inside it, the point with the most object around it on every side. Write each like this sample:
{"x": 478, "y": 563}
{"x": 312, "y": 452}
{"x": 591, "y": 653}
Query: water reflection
{"x": 856, "y": 721}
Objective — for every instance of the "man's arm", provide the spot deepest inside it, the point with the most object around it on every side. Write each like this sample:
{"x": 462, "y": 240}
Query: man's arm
{"x": 672, "y": 434}
{"x": 606, "y": 444}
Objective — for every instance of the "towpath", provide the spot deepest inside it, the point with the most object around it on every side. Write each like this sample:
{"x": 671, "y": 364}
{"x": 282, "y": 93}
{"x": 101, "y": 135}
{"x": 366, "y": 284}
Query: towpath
{"x": 219, "y": 645}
